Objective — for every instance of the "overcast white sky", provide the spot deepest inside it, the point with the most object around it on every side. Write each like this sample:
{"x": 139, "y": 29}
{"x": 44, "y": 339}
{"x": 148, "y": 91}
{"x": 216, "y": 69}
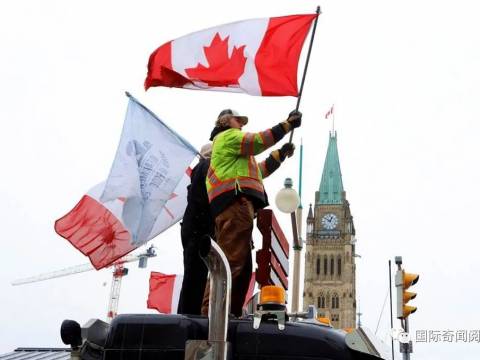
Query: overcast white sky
{"x": 404, "y": 77}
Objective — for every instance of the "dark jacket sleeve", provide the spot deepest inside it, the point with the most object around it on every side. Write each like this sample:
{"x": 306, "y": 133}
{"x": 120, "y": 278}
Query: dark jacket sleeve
{"x": 198, "y": 214}
{"x": 270, "y": 164}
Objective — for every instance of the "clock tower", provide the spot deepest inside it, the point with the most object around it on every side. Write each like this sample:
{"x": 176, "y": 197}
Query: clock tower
{"x": 330, "y": 249}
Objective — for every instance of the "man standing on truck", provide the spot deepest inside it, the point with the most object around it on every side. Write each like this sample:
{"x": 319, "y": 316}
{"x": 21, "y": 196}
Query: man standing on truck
{"x": 235, "y": 190}
{"x": 196, "y": 224}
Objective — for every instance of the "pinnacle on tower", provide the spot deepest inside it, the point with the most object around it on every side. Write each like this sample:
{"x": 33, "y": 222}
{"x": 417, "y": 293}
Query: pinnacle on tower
{"x": 310, "y": 212}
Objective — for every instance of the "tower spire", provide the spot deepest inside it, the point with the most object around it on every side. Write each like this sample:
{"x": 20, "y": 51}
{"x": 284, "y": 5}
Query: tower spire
{"x": 329, "y": 245}
{"x": 331, "y": 185}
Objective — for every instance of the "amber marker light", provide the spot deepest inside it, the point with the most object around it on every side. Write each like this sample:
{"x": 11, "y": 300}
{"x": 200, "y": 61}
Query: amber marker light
{"x": 272, "y": 294}
{"x": 324, "y": 321}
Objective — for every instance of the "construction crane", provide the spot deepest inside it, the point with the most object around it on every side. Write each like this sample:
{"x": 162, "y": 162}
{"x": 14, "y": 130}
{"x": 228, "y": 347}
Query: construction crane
{"x": 119, "y": 271}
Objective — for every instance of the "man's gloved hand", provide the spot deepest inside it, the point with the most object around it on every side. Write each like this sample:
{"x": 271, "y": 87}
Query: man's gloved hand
{"x": 286, "y": 150}
{"x": 295, "y": 119}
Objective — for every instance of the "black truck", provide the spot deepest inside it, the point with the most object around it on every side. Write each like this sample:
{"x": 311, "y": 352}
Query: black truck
{"x": 268, "y": 333}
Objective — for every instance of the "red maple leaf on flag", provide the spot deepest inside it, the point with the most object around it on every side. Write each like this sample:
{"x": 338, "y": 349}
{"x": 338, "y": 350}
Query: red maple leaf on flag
{"x": 222, "y": 70}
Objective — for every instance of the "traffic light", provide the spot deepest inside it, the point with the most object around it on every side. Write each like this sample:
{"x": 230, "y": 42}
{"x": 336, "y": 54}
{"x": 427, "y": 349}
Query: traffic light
{"x": 403, "y": 281}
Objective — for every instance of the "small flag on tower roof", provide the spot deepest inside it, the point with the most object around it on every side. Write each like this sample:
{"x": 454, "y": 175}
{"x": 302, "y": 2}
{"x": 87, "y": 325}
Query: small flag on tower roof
{"x": 329, "y": 112}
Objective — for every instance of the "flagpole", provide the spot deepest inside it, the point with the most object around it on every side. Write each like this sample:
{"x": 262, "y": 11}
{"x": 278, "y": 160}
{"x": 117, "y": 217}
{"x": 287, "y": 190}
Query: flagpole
{"x": 297, "y": 248}
{"x": 333, "y": 125}
{"x": 306, "y": 65}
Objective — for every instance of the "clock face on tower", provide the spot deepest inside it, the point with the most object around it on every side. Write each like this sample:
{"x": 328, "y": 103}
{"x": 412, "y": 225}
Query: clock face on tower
{"x": 329, "y": 221}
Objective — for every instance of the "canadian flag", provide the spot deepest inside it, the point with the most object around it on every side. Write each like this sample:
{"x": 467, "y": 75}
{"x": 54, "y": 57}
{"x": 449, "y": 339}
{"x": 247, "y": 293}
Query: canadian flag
{"x": 145, "y": 193}
{"x": 329, "y": 112}
{"x": 257, "y": 57}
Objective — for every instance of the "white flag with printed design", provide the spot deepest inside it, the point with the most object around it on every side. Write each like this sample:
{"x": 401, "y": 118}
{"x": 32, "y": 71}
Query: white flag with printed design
{"x": 144, "y": 194}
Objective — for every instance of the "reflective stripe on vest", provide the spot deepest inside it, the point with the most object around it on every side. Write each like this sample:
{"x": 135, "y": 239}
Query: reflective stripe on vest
{"x": 212, "y": 177}
{"x": 247, "y": 146}
{"x": 263, "y": 169}
{"x": 247, "y": 143}
{"x": 267, "y": 138}
{"x": 230, "y": 184}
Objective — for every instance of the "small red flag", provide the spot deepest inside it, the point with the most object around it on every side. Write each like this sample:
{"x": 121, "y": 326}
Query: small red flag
{"x": 329, "y": 112}
{"x": 164, "y": 292}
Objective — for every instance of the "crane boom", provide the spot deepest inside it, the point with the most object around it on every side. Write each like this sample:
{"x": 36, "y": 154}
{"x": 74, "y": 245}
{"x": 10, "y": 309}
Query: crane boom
{"x": 150, "y": 252}
{"x": 54, "y": 274}
{"x": 119, "y": 271}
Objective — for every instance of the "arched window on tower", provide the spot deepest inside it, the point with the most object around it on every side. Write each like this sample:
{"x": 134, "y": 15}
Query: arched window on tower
{"x": 309, "y": 226}
{"x": 339, "y": 266}
{"x": 318, "y": 266}
{"x": 321, "y": 301}
{"x": 332, "y": 266}
{"x": 325, "y": 265}
{"x": 335, "y": 301}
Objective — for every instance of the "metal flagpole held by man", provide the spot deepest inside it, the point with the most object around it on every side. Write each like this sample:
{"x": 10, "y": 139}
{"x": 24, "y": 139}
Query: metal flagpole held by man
{"x": 297, "y": 215}
{"x": 306, "y": 65}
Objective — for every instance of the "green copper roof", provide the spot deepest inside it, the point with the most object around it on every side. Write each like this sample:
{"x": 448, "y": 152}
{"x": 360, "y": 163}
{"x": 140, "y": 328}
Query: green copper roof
{"x": 331, "y": 186}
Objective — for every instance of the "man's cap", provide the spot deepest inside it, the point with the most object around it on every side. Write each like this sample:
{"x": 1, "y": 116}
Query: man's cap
{"x": 225, "y": 114}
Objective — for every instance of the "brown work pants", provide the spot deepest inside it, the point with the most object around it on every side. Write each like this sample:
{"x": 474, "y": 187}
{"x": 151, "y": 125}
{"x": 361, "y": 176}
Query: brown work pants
{"x": 233, "y": 231}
